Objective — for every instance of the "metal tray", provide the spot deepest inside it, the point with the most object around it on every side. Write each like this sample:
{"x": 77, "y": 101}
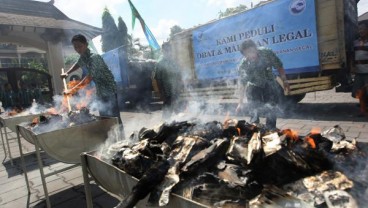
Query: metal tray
{"x": 66, "y": 145}
{"x": 119, "y": 183}
{"x": 12, "y": 121}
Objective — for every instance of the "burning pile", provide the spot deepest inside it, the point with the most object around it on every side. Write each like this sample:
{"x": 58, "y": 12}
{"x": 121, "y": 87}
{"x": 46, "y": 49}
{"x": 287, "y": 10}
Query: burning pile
{"x": 236, "y": 163}
{"x": 51, "y": 122}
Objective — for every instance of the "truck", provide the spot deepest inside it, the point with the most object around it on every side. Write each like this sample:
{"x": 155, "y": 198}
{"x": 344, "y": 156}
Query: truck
{"x": 313, "y": 39}
{"x": 132, "y": 77}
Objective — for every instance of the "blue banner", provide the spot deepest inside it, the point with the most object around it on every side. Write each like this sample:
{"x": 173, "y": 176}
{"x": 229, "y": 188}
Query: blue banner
{"x": 288, "y": 27}
{"x": 116, "y": 61}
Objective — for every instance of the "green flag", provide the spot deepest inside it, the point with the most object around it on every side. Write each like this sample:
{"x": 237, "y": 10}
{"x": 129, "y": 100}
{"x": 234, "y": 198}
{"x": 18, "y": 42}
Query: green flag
{"x": 147, "y": 32}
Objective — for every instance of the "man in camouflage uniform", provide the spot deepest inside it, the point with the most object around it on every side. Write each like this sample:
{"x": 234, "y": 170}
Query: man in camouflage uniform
{"x": 99, "y": 73}
{"x": 258, "y": 82}
{"x": 169, "y": 81}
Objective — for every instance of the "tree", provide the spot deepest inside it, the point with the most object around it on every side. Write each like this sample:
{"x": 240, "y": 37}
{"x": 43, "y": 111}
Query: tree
{"x": 233, "y": 10}
{"x": 71, "y": 59}
{"x": 174, "y": 30}
{"x": 123, "y": 31}
{"x": 110, "y": 37}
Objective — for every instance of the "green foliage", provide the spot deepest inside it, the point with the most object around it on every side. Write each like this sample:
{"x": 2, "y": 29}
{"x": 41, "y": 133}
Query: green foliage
{"x": 115, "y": 36}
{"x": 233, "y": 10}
{"x": 123, "y": 30}
{"x": 174, "y": 30}
{"x": 110, "y": 37}
{"x": 38, "y": 65}
{"x": 71, "y": 59}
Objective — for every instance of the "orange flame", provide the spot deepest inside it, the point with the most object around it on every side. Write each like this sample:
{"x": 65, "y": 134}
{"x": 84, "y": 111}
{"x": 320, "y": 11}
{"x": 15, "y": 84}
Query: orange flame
{"x": 311, "y": 142}
{"x": 239, "y": 131}
{"x": 291, "y": 134}
{"x": 75, "y": 86}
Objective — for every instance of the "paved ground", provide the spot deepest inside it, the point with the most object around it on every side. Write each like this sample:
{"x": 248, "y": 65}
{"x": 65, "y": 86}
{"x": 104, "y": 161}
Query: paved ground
{"x": 322, "y": 110}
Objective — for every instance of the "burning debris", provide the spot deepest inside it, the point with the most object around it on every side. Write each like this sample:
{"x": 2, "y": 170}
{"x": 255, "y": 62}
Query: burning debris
{"x": 232, "y": 163}
{"x": 50, "y": 122}
{"x": 19, "y": 111}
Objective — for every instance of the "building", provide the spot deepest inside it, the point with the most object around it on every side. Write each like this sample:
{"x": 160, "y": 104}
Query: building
{"x": 37, "y": 31}
{"x": 363, "y": 17}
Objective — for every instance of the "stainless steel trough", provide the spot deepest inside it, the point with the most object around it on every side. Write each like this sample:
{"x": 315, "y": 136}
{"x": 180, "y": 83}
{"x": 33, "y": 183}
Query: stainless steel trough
{"x": 65, "y": 145}
{"x": 11, "y": 122}
{"x": 119, "y": 183}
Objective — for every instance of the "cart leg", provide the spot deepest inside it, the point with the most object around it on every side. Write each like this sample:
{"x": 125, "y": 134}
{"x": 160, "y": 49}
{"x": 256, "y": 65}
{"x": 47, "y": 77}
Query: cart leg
{"x": 87, "y": 188}
{"x": 23, "y": 166}
{"x": 3, "y": 142}
{"x": 43, "y": 179}
{"x": 7, "y": 143}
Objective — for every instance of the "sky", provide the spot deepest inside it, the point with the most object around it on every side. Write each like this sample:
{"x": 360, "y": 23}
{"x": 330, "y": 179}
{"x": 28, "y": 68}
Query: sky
{"x": 159, "y": 15}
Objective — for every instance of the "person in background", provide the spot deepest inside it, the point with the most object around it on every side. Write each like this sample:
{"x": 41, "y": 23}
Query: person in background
{"x": 169, "y": 81}
{"x": 360, "y": 84}
{"x": 98, "y": 72}
{"x": 258, "y": 83}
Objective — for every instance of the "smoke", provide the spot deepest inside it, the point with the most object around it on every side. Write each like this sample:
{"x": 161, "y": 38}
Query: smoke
{"x": 356, "y": 169}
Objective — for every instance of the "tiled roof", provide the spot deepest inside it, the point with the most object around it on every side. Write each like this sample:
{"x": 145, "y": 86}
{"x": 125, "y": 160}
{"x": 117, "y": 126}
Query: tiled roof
{"x": 363, "y": 17}
{"x": 43, "y": 15}
{"x": 31, "y": 8}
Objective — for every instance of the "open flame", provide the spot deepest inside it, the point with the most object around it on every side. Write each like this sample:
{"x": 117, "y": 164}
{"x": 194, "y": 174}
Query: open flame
{"x": 83, "y": 98}
{"x": 292, "y": 134}
{"x": 309, "y": 138}
{"x": 310, "y": 142}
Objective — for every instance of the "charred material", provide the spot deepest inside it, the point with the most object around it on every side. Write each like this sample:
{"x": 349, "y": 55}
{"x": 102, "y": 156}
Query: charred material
{"x": 288, "y": 165}
{"x": 232, "y": 182}
{"x": 168, "y": 132}
{"x": 206, "y": 158}
{"x": 81, "y": 116}
{"x": 136, "y": 159}
{"x": 228, "y": 164}
{"x": 146, "y": 184}
{"x": 183, "y": 149}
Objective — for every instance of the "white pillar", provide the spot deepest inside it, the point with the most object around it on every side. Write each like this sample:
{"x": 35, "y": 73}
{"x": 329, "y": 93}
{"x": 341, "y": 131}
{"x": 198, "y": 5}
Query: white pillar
{"x": 55, "y": 61}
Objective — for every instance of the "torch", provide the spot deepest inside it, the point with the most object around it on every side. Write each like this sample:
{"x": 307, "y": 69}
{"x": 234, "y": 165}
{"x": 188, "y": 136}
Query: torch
{"x": 66, "y": 88}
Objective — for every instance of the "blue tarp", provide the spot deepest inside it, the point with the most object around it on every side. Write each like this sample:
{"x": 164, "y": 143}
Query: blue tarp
{"x": 288, "y": 27}
{"x": 117, "y": 63}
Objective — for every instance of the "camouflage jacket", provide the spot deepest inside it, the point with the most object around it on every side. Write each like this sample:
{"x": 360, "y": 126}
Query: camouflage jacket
{"x": 259, "y": 73}
{"x": 168, "y": 76}
{"x": 100, "y": 73}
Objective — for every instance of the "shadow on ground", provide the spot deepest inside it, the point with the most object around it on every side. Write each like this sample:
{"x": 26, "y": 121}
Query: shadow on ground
{"x": 30, "y": 161}
{"x": 324, "y": 112}
{"x": 75, "y": 197}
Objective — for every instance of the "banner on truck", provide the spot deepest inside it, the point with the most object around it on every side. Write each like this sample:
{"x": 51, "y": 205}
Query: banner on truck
{"x": 288, "y": 27}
